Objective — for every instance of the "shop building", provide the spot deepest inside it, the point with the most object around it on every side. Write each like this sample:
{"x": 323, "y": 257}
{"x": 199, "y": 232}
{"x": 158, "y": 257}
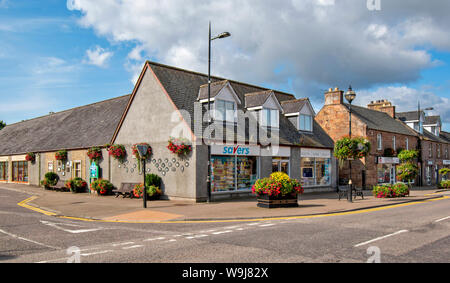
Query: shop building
{"x": 253, "y": 131}
{"x": 376, "y": 123}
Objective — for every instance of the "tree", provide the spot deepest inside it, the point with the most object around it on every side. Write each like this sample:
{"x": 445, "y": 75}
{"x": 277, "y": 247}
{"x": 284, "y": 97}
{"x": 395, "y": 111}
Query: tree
{"x": 2, "y": 125}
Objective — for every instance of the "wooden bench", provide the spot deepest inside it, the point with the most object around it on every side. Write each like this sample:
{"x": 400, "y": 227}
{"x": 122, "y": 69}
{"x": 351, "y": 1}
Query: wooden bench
{"x": 343, "y": 191}
{"x": 125, "y": 190}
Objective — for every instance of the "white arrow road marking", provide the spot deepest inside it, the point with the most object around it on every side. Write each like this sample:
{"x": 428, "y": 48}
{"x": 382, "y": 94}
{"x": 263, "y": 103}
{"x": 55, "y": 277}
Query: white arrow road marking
{"x": 57, "y": 226}
{"x": 381, "y": 238}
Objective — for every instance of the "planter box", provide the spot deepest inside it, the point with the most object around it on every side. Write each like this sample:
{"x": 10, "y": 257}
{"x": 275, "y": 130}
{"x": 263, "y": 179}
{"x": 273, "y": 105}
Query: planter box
{"x": 266, "y": 201}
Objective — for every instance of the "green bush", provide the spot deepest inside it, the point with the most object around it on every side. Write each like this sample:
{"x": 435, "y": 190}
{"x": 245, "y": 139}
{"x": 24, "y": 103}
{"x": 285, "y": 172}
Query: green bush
{"x": 391, "y": 191}
{"x": 445, "y": 184}
{"x": 153, "y": 180}
{"x": 50, "y": 180}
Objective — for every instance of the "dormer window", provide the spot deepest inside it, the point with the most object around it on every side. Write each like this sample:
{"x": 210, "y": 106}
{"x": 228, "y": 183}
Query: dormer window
{"x": 225, "y": 111}
{"x": 270, "y": 118}
{"x": 305, "y": 123}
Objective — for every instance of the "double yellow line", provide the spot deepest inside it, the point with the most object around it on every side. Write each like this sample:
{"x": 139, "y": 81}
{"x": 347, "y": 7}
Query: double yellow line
{"x": 25, "y": 205}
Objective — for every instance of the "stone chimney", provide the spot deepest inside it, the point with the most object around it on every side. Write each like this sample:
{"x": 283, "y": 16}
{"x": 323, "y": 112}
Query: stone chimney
{"x": 335, "y": 96}
{"x": 383, "y": 106}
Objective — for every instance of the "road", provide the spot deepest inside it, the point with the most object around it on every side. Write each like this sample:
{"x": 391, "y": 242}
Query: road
{"x": 411, "y": 233}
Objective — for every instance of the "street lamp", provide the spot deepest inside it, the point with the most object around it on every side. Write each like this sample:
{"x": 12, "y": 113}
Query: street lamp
{"x": 350, "y": 95}
{"x": 143, "y": 149}
{"x": 210, "y": 39}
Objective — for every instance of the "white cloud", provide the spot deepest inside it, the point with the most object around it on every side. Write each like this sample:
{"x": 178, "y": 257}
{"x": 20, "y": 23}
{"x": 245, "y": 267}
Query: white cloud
{"x": 98, "y": 57}
{"x": 406, "y": 99}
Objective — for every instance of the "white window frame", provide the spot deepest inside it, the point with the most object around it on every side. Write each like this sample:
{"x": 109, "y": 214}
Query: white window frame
{"x": 273, "y": 123}
{"x": 394, "y": 143}
{"x": 302, "y": 125}
{"x": 225, "y": 115}
{"x": 74, "y": 171}
{"x": 407, "y": 144}
{"x": 379, "y": 142}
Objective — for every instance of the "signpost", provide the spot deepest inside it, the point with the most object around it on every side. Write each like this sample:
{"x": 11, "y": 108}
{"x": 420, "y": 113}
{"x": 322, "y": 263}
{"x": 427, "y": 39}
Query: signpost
{"x": 143, "y": 149}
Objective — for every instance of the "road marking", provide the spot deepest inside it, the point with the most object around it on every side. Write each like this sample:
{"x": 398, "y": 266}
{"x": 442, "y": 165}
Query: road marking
{"x": 132, "y": 247}
{"x": 266, "y": 225}
{"x": 28, "y": 240}
{"x": 25, "y": 205}
{"x": 222, "y": 232}
{"x": 155, "y": 239}
{"x": 197, "y": 236}
{"x": 79, "y": 231}
{"x": 122, "y": 244}
{"x": 97, "y": 253}
{"x": 442, "y": 219}
{"x": 381, "y": 238}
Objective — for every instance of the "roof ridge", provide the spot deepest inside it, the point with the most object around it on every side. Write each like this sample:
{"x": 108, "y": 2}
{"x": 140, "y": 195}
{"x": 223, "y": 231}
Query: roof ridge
{"x": 259, "y": 92}
{"x": 67, "y": 110}
{"x": 214, "y": 77}
{"x": 295, "y": 100}
{"x": 215, "y": 83}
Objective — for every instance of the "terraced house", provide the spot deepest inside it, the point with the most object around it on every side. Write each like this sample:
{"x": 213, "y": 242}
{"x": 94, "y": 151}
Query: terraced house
{"x": 253, "y": 131}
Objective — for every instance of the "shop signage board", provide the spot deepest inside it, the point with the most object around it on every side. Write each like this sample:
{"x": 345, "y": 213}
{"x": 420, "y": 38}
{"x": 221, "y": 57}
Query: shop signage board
{"x": 276, "y": 151}
{"x": 94, "y": 170}
{"x": 317, "y": 153}
{"x": 236, "y": 150}
{"x": 446, "y": 162}
{"x": 388, "y": 160}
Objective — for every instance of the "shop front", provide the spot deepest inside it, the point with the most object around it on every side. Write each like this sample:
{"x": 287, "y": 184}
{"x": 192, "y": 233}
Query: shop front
{"x": 316, "y": 167}
{"x": 3, "y": 170}
{"x": 234, "y": 168}
{"x": 386, "y": 169}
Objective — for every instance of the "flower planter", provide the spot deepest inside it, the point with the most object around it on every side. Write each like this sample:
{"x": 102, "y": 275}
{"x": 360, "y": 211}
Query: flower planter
{"x": 265, "y": 201}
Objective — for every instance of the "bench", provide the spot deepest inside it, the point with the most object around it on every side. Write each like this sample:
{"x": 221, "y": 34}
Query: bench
{"x": 343, "y": 191}
{"x": 125, "y": 190}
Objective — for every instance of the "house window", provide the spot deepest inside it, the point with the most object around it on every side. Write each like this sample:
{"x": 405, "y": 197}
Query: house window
{"x": 270, "y": 118}
{"x": 446, "y": 152}
{"x": 225, "y": 111}
{"x": 438, "y": 151}
{"x": 305, "y": 123}
{"x": 430, "y": 151}
{"x": 394, "y": 143}
{"x": 379, "y": 142}
{"x": 407, "y": 144}
{"x": 77, "y": 169}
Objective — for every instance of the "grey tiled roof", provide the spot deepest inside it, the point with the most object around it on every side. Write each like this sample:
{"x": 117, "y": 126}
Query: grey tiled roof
{"x": 293, "y": 106}
{"x": 429, "y": 136}
{"x": 77, "y": 128}
{"x": 257, "y": 98}
{"x": 377, "y": 120}
{"x": 445, "y": 136}
{"x": 183, "y": 88}
{"x": 215, "y": 89}
{"x": 408, "y": 116}
{"x": 432, "y": 120}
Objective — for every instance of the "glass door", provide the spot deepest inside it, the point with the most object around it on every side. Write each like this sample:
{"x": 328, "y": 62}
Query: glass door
{"x": 280, "y": 165}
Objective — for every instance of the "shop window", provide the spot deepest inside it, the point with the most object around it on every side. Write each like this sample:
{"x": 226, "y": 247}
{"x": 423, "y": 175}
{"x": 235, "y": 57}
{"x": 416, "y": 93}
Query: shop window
{"x": 280, "y": 164}
{"x": 315, "y": 171}
{"x": 231, "y": 173}
{"x": 3, "y": 171}
{"x": 386, "y": 173}
{"x": 305, "y": 123}
{"x": 20, "y": 171}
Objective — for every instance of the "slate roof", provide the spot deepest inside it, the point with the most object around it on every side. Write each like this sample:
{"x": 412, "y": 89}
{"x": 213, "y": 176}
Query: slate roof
{"x": 293, "y": 106}
{"x": 432, "y": 120}
{"x": 377, "y": 120}
{"x": 183, "y": 88}
{"x": 408, "y": 116}
{"x": 215, "y": 89}
{"x": 257, "y": 98}
{"x": 429, "y": 136}
{"x": 445, "y": 136}
{"x": 78, "y": 128}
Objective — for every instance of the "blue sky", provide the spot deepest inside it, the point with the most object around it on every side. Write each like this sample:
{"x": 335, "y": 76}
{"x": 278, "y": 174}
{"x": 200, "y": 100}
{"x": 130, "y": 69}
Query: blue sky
{"x": 56, "y": 55}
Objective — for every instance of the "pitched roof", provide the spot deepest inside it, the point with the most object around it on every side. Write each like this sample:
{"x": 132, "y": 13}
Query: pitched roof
{"x": 377, "y": 120}
{"x": 256, "y": 99}
{"x": 445, "y": 135}
{"x": 408, "y": 116}
{"x": 432, "y": 120}
{"x": 77, "y": 128}
{"x": 293, "y": 106}
{"x": 429, "y": 136}
{"x": 183, "y": 88}
{"x": 216, "y": 87}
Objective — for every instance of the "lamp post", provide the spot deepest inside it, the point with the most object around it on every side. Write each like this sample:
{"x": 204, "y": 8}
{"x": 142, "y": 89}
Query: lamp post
{"x": 350, "y": 95}
{"x": 210, "y": 39}
{"x": 143, "y": 149}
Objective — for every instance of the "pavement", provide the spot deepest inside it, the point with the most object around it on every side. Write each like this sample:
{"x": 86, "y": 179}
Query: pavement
{"x": 112, "y": 209}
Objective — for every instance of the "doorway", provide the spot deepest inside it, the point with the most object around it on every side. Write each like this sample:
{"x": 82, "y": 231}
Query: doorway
{"x": 280, "y": 165}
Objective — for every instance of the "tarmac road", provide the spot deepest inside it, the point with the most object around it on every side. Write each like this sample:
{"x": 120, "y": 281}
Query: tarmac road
{"x": 412, "y": 233}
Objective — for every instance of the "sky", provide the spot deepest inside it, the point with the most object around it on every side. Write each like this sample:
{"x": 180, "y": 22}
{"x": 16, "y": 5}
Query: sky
{"x": 56, "y": 54}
